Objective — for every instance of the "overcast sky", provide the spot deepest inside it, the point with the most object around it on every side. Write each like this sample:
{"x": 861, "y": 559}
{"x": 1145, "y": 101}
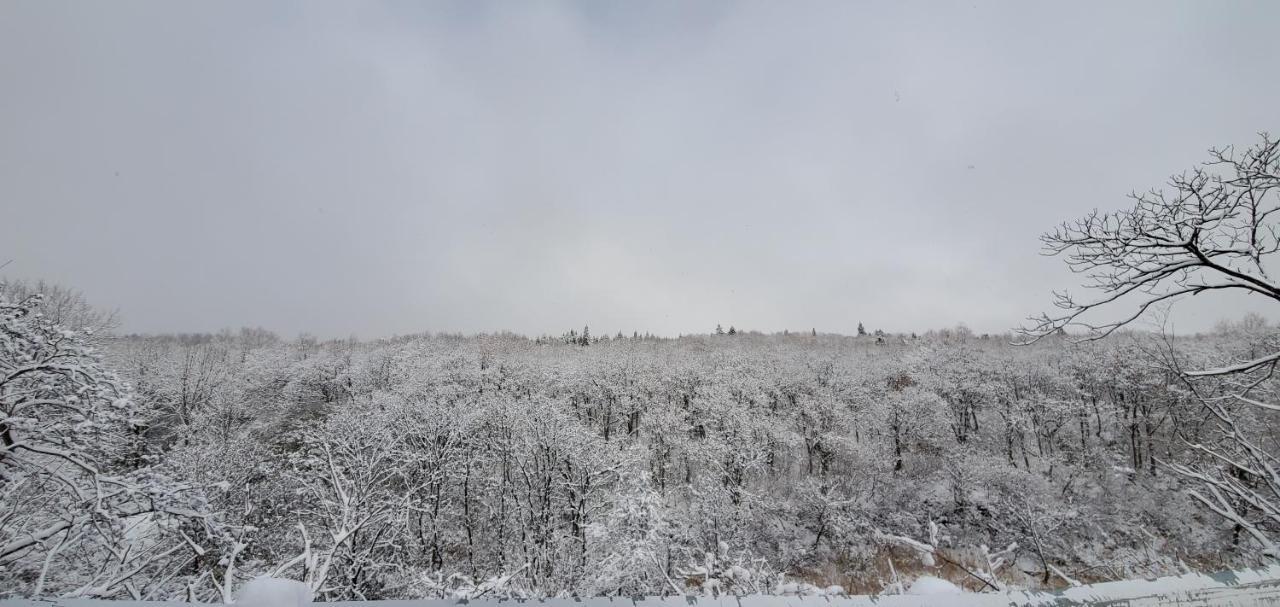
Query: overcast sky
{"x": 379, "y": 168}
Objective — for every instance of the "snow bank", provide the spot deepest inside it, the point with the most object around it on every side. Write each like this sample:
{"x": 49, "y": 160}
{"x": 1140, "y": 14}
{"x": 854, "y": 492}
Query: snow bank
{"x": 1247, "y": 588}
{"x": 929, "y": 585}
{"x": 272, "y": 592}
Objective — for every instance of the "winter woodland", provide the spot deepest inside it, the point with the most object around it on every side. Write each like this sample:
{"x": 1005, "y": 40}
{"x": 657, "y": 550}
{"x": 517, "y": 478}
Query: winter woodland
{"x": 1081, "y": 448}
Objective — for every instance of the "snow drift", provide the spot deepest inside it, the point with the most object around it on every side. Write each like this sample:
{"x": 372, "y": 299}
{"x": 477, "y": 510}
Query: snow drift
{"x": 272, "y": 592}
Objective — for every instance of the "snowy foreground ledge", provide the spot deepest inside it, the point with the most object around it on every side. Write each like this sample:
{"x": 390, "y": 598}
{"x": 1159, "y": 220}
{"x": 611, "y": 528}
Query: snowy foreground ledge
{"x": 1247, "y": 588}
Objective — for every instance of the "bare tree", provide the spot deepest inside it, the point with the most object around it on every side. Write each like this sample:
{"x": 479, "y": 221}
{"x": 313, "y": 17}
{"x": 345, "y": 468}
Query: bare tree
{"x": 1212, "y": 231}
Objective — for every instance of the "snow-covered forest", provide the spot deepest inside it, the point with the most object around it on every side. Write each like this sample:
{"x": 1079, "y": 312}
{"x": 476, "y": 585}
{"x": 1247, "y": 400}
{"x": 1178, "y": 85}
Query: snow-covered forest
{"x": 181, "y": 466}
{"x": 443, "y": 465}
{"x": 637, "y": 172}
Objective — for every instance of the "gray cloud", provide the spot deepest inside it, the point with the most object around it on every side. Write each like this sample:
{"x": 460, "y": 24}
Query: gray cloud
{"x": 380, "y": 168}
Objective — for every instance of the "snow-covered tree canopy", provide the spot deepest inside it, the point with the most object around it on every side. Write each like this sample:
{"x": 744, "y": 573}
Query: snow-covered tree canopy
{"x": 444, "y": 466}
{"x": 494, "y": 465}
{"x": 81, "y": 510}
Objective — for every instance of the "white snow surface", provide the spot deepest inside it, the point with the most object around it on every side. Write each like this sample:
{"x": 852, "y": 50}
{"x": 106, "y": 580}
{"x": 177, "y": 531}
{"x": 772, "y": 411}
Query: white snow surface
{"x": 1245, "y": 588}
{"x": 267, "y": 591}
{"x": 929, "y": 585}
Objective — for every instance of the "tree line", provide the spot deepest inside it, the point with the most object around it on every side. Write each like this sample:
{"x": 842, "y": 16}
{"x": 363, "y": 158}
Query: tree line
{"x": 177, "y": 467}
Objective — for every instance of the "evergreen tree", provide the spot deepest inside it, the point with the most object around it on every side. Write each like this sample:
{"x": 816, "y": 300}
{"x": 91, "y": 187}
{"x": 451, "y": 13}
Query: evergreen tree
{"x": 862, "y": 331}
{"x": 732, "y": 331}
{"x": 586, "y": 336}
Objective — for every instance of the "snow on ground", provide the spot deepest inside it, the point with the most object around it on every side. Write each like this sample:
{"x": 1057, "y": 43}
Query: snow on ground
{"x": 271, "y": 592}
{"x": 929, "y": 585}
{"x": 1247, "y": 588}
